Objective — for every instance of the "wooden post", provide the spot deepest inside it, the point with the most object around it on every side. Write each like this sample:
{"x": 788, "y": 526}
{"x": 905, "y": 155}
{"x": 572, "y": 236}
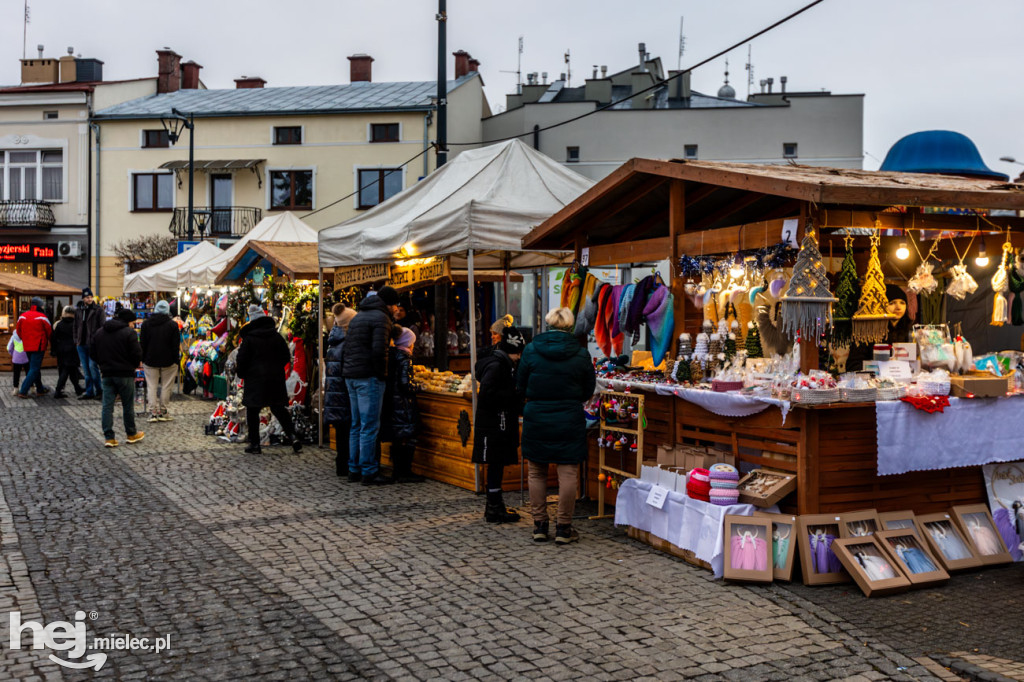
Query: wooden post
{"x": 320, "y": 355}
{"x": 471, "y": 281}
{"x": 676, "y": 227}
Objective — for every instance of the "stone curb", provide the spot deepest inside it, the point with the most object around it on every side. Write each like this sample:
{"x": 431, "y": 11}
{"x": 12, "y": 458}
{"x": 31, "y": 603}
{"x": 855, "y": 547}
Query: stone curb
{"x": 970, "y": 671}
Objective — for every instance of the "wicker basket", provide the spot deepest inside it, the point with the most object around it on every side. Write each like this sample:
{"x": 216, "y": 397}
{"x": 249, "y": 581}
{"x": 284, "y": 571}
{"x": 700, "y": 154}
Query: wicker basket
{"x": 859, "y": 395}
{"x": 891, "y": 393}
{"x": 935, "y": 387}
{"x": 815, "y": 396}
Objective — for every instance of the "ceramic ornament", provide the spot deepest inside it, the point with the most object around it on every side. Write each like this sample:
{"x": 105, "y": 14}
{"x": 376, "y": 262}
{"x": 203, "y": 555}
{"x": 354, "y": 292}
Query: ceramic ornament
{"x": 807, "y": 303}
{"x": 871, "y": 321}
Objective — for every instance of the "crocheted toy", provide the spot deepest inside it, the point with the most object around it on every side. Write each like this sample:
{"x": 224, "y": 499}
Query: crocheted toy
{"x": 871, "y": 321}
{"x": 807, "y": 303}
{"x": 684, "y": 348}
{"x": 696, "y": 371}
{"x": 753, "y": 343}
{"x": 730, "y": 346}
{"x": 682, "y": 372}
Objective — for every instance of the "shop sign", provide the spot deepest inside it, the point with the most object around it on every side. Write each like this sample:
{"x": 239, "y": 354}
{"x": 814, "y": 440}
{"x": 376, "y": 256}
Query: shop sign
{"x": 407, "y": 274}
{"x": 27, "y": 253}
{"x": 360, "y": 274}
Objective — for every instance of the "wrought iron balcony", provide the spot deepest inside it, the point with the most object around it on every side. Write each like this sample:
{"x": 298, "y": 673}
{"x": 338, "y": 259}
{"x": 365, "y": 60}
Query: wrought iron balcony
{"x": 230, "y": 221}
{"x": 27, "y": 213}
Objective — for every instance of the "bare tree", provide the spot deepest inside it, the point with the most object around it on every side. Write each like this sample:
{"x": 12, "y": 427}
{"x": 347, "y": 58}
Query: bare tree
{"x": 144, "y": 250}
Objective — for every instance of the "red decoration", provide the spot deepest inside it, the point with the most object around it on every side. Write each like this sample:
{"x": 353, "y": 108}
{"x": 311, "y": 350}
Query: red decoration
{"x": 928, "y": 403}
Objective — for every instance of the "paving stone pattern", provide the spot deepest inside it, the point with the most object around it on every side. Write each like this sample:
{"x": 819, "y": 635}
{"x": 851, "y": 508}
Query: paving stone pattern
{"x": 270, "y": 567}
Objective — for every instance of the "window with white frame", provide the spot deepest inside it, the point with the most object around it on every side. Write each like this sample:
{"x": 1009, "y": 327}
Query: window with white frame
{"x": 378, "y": 184}
{"x": 36, "y": 174}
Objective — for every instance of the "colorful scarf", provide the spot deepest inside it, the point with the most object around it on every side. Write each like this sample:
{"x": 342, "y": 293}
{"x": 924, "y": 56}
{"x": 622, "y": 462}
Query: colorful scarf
{"x": 660, "y": 322}
{"x": 587, "y": 316}
{"x": 635, "y": 316}
{"x": 626, "y": 300}
{"x": 605, "y": 320}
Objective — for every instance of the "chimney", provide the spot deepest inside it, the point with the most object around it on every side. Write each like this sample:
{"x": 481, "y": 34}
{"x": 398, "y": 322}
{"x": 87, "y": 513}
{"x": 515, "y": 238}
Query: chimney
{"x": 360, "y": 68}
{"x": 67, "y": 68}
{"x": 679, "y": 88}
{"x": 782, "y": 83}
{"x": 461, "y": 63}
{"x": 642, "y": 49}
{"x": 474, "y": 65}
{"x": 39, "y": 47}
{"x": 190, "y": 75}
{"x": 604, "y": 71}
{"x": 769, "y": 81}
{"x": 246, "y": 82}
{"x": 168, "y": 78}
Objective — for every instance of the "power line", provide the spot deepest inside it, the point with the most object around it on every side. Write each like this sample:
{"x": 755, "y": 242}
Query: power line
{"x": 713, "y": 57}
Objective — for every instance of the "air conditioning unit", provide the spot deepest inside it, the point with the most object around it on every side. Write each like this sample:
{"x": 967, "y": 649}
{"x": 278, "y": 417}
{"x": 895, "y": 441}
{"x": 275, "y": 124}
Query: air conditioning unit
{"x": 70, "y": 249}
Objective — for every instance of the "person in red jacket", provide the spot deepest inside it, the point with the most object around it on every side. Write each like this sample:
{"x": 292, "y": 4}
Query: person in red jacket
{"x": 34, "y": 329}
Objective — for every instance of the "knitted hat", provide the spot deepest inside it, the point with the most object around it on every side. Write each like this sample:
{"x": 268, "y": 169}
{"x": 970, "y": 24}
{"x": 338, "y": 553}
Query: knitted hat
{"x": 86, "y": 291}
{"x": 389, "y": 295}
{"x": 125, "y": 315}
{"x": 501, "y": 323}
{"x": 512, "y": 340}
{"x": 724, "y": 497}
{"x": 162, "y": 307}
{"x": 343, "y": 318}
{"x": 724, "y": 472}
{"x": 255, "y": 312}
{"x": 38, "y": 303}
{"x": 406, "y": 340}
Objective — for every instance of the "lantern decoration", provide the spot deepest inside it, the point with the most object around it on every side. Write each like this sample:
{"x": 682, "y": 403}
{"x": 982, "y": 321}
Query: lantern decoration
{"x": 871, "y": 321}
{"x": 807, "y": 303}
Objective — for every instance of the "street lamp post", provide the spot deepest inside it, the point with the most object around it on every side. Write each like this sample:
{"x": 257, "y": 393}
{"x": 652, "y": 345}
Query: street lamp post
{"x": 174, "y": 124}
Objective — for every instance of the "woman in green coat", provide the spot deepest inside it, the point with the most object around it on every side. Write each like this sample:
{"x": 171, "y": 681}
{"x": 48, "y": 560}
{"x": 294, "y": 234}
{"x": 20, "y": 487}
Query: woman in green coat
{"x": 556, "y": 376}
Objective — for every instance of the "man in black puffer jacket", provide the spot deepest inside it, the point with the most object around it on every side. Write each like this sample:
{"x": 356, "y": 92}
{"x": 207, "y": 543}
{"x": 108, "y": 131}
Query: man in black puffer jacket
{"x": 161, "y": 350}
{"x": 365, "y": 368}
{"x": 115, "y": 349}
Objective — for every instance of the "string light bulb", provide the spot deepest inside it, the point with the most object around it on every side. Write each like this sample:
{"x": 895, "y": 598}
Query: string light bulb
{"x": 737, "y": 269}
{"x": 982, "y": 259}
{"x": 903, "y": 253}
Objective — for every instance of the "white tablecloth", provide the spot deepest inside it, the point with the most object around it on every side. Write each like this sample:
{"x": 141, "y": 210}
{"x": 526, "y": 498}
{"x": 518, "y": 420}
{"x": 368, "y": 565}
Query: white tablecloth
{"x": 685, "y": 522}
{"x": 970, "y": 432}
{"x": 730, "y": 404}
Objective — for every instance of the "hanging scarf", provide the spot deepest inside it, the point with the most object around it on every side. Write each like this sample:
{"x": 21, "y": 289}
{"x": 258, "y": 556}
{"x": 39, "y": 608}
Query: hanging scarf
{"x": 628, "y": 291}
{"x": 566, "y": 287}
{"x": 602, "y": 327}
{"x": 659, "y": 317}
{"x": 613, "y": 311}
{"x": 587, "y": 315}
{"x": 635, "y": 316}
{"x": 1016, "y": 284}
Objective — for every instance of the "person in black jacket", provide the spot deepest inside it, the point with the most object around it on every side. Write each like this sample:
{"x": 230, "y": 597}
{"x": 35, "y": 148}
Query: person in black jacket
{"x": 115, "y": 349}
{"x": 337, "y": 411}
{"x": 161, "y": 351}
{"x": 496, "y": 427}
{"x": 89, "y": 319}
{"x": 62, "y": 347}
{"x": 365, "y": 368}
{"x": 261, "y": 361}
{"x": 400, "y": 419}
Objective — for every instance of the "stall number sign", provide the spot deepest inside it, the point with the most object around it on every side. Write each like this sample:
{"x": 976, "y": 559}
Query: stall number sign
{"x": 360, "y": 274}
{"x": 406, "y": 276}
{"x": 27, "y": 253}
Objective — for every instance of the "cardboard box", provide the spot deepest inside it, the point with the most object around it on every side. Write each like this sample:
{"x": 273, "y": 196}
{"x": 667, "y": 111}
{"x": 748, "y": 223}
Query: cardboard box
{"x": 947, "y": 543}
{"x": 748, "y": 549}
{"x": 765, "y": 487}
{"x": 823, "y": 528}
{"x": 979, "y": 386}
{"x": 870, "y": 565}
{"x": 784, "y": 541}
{"x": 859, "y": 523}
{"x": 976, "y": 524}
{"x": 898, "y": 542}
{"x": 900, "y": 520}
{"x": 666, "y": 456}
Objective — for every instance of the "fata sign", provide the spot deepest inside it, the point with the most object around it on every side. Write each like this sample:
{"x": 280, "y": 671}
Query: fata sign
{"x": 27, "y": 253}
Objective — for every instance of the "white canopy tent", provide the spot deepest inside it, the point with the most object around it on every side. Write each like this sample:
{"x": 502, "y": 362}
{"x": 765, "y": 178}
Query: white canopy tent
{"x": 173, "y": 273}
{"x": 283, "y": 227}
{"x": 475, "y": 209}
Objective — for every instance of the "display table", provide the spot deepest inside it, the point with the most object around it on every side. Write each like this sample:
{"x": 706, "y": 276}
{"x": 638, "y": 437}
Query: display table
{"x": 685, "y": 522}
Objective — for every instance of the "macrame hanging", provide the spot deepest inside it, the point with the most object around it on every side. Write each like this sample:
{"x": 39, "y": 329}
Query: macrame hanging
{"x": 1001, "y": 286}
{"x": 847, "y": 293}
{"x": 807, "y": 303}
{"x": 961, "y": 282}
{"x": 871, "y": 321}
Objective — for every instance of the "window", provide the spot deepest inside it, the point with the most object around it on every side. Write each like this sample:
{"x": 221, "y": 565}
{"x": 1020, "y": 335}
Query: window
{"x": 288, "y": 135}
{"x": 155, "y": 138}
{"x": 572, "y": 154}
{"x": 789, "y": 150}
{"x": 32, "y": 175}
{"x": 690, "y": 151}
{"x": 383, "y": 132}
{"x": 291, "y": 190}
{"x": 152, "y": 192}
{"x": 49, "y": 115}
{"x": 378, "y": 184}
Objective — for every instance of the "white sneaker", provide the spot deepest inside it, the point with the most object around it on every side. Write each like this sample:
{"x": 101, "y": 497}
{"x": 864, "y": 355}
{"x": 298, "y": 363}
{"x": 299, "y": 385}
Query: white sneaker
{"x": 153, "y": 419}
{"x": 165, "y": 418}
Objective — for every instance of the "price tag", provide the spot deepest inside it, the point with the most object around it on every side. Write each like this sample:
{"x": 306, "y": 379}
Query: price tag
{"x": 789, "y": 232}
{"x": 656, "y": 498}
{"x": 898, "y": 370}
{"x": 585, "y": 255}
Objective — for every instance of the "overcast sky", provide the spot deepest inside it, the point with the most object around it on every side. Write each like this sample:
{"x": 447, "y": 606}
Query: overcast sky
{"x": 922, "y": 64}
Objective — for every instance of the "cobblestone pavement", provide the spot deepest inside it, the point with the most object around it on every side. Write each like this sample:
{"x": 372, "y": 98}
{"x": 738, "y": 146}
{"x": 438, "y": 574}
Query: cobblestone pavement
{"x": 270, "y": 567}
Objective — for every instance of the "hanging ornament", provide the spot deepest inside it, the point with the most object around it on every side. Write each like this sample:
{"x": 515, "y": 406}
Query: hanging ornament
{"x": 962, "y": 283}
{"x": 1001, "y": 286}
{"x": 807, "y": 303}
{"x": 753, "y": 343}
{"x": 847, "y": 292}
{"x": 871, "y": 321}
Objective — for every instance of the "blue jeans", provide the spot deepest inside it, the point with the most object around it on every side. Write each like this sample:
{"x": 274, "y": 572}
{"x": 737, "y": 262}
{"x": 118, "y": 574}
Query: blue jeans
{"x": 91, "y": 371}
{"x": 366, "y": 396}
{"x": 113, "y": 387}
{"x": 35, "y": 374}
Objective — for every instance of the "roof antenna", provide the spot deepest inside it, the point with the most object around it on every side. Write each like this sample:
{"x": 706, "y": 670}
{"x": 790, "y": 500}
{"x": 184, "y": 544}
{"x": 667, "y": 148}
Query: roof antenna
{"x": 568, "y": 70}
{"x": 519, "y": 69}
{"x": 750, "y": 71}
{"x": 24, "y": 32}
{"x": 682, "y": 45}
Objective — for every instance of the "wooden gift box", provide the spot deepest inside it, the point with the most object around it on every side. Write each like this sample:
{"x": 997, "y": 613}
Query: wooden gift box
{"x": 908, "y": 537}
{"x": 932, "y": 525}
{"x": 847, "y": 551}
{"x": 808, "y": 525}
{"x": 859, "y": 523}
{"x": 778, "y": 485}
{"x": 783, "y": 526}
{"x": 967, "y": 516}
{"x": 900, "y": 520}
{"x": 742, "y": 533}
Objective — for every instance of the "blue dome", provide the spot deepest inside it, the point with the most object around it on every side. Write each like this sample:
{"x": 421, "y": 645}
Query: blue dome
{"x": 938, "y": 151}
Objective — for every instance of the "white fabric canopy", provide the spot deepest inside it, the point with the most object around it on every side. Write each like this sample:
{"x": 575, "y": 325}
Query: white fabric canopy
{"x": 486, "y": 200}
{"x": 283, "y": 227}
{"x": 173, "y": 273}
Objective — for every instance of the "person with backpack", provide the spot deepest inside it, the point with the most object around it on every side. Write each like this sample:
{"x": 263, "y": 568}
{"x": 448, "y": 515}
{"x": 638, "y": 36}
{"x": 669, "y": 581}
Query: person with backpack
{"x": 63, "y": 348}
{"x": 400, "y": 419}
{"x": 161, "y": 350}
{"x": 19, "y": 359}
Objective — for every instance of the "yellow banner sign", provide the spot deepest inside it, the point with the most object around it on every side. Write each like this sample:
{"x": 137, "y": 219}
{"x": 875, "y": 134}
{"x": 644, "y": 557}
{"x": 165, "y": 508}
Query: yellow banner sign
{"x": 360, "y": 274}
{"x": 409, "y": 274}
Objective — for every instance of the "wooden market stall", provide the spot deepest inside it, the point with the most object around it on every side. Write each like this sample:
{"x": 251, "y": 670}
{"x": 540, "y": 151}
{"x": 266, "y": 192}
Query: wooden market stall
{"x": 650, "y": 210}
{"x": 295, "y": 260}
{"x": 16, "y": 292}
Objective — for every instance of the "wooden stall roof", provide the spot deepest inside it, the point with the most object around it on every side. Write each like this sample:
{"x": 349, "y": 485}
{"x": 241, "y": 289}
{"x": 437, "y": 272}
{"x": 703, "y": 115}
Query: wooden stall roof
{"x": 34, "y": 286}
{"x": 297, "y": 260}
{"x": 632, "y": 203}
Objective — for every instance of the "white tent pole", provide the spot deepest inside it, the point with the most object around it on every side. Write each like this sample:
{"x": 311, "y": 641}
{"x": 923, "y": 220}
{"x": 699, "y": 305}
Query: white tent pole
{"x": 320, "y": 354}
{"x": 472, "y": 351}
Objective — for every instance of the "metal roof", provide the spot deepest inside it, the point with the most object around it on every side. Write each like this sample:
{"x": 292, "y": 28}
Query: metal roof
{"x": 559, "y": 93}
{"x": 317, "y": 99}
{"x": 222, "y": 164}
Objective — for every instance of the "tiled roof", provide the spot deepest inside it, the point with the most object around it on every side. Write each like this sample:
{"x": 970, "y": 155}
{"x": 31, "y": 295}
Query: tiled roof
{"x": 361, "y": 96}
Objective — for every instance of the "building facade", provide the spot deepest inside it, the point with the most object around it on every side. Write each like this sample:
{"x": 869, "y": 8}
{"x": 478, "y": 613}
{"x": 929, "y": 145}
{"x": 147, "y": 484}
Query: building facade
{"x": 673, "y": 121}
{"x": 260, "y": 150}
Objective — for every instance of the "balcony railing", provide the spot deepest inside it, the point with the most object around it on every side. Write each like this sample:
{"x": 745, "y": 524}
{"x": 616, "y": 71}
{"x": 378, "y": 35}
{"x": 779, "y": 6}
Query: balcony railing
{"x": 230, "y": 221}
{"x": 28, "y": 213}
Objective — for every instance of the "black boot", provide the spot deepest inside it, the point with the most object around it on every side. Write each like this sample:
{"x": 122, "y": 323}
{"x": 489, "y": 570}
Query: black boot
{"x": 401, "y": 463}
{"x": 496, "y": 512}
